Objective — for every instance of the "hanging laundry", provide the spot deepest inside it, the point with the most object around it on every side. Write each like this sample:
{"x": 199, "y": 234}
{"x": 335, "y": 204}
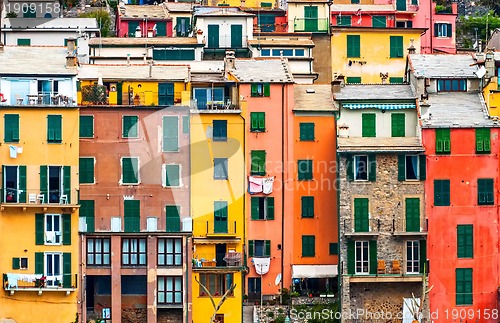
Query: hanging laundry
{"x": 19, "y": 150}
{"x": 254, "y": 185}
{"x": 12, "y": 278}
{"x": 267, "y": 185}
{"x": 50, "y": 236}
{"x": 261, "y": 265}
{"x": 13, "y": 152}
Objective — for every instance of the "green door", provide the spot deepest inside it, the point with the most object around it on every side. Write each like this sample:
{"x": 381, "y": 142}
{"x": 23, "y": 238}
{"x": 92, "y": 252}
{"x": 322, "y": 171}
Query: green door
{"x": 311, "y": 18}
{"x": 401, "y": 5}
{"x": 165, "y": 93}
{"x": 236, "y": 36}
{"x": 213, "y": 36}
{"x": 161, "y": 28}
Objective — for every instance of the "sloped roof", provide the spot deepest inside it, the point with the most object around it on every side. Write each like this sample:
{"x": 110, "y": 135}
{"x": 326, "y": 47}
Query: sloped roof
{"x": 380, "y": 144}
{"x": 34, "y": 60}
{"x": 442, "y": 65}
{"x": 50, "y": 23}
{"x": 224, "y": 12}
{"x": 375, "y": 92}
{"x": 262, "y": 70}
{"x": 313, "y": 97}
{"x": 142, "y": 11}
{"x": 134, "y": 72}
{"x": 494, "y": 41}
{"x": 178, "y": 6}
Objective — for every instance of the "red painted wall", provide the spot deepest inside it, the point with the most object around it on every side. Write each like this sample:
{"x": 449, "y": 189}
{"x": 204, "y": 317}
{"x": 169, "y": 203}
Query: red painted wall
{"x": 462, "y": 167}
{"x": 122, "y": 27}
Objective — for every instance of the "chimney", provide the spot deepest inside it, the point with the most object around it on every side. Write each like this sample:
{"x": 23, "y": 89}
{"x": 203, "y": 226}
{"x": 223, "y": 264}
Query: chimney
{"x": 70, "y": 61}
{"x": 343, "y": 131}
{"x": 71, "y": 45}
{"x": 1, "y": 47}
{"x": 489, "y": 63}
{"x": 412, "y": 49}
{"x": 229, "y": 61}
{"x": 337, "y": 84}
{"x": 138, "y": 32}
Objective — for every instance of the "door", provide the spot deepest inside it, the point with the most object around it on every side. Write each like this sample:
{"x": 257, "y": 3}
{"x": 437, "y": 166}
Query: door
{"x": 220, "y": 217}
{"x": 311, "y": 18}
{"x": 165, "y": 93}
{"x": 55, "y": 183}
{"x": 53, "y": 269}
{"x": 213, "y": 36}
{"x": 220, "y": 253}
{"x": 236, "y": 36}
{"x": 401, "y": 5}
{"x": 19, "y": 91}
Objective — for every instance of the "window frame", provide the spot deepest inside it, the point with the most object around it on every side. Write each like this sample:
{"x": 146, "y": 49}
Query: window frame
{"x": 483, "y": 140}
{"x": 135, "y": 126}
{"x": 255, "y": 121}
{"x": 260, "y": 90}
{"x": 162, "y": 285}
{"x": 443, "y": 200}
{"x": 80, "y": 170}
{"x": 175, "y": 254}
{"x": 413, "y": 258}
{"x": 468, "y": 275}
{"x": 220, "y": 283}
{"x": 83, "y": 133}
{"x": 258, "y": 162}
{"x": 308, "y": 246}
{"x": 308, "y": 174}
{"x": 447, "y": 85}
{"x": 357, "y": 158}
{"x": 223, "y": 164}
{"x": 58, "y": 234}
{"x": 485, "y": 191}
{"x": 465, "y": 241}
{"x": 221, "y": 132}
{"x": 264, "y": 210}
{"x": 14, "y": 125}
{"x": 57, "y": 119}
{"x": 137, "y": 252}
{"x": 362, "y": 266}
{"x": 306, "y": 131}
{"x": 165, "y": 178}
{"x": 103, "y": 253}
{"x": 137, "y": 174}
{"x": 411, "y": 158}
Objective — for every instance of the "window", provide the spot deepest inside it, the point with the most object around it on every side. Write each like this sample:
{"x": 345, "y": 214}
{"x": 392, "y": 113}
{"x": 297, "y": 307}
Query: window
{"x": 307, "y": 206}
{"x": 87, "y": 215}
{"x": 443, "y": 143}
{"x": 220, "y": 130}
{"x": 217, "y": 284}
{"x": 172, "y": 175}
{"x": 236, "y": 36}
{"x": 98, "y": 251}
{"x": 133, "y": 252}
{"x": 412, "y": 208}
{"x": 305, "y": 170}
{"x": 132, "y": 27}
{"x": 170, "y": 134}
{"x": 454, "y": 85}
{"x": 220, "y": 168}
{"x": 130, "y": 126}
{"x": 483, "y": 141}
{"x": 20, "y": 263}
{"x": 361, "y": 215}
{"x": 266, "y": 22}
{"x": 55, "y": 181}
{"x": 353, "y": 46}
{"x": 132, "y": 215}
{"x": 170, "y": 290}
{"x": 220, "y": 217}
{"x": 442, "y": 30}
{"x": 396, "y": 49}
{"x": 368, "y": 126}
{"x": 86, "y": 126}
{"x": 259, "y": 248}
{"x": 54, "y": 128}
{"x": 262, "y": 208}
{"x": 308, "y": 246}
{"x": 465, "y": 241}
{"x": 87, "y": 170}
{"x": 66, "y": 40}
{"x": 306, "y": 131}
{"x": 257, "y": 121}
{"x": 254, "y": 285}
{"x": 397, "y": 124}
{"x": 333, "y": 248}
{"x": 463, "y": 281}
{"x": 361, "y": 168}
{"x": 260, "y": 89}
{"x": 14, "y": 183}
{"x": 169, "y": 252}
{"x": 213, "y": 36}
{"x": 208, "y": 97}
{"x": 23, "y": 42}
{"x": 258, "y": 160}
{"x": 411, "y": 167}
{"x": 353, "y": 80}
{"x": 362, "y": 259}
{"x": 441, "y": 192}
{"x": 116, "y": 224}
{"x": 485, "y": 191}
{"x": 185, "y": 124}
{"x": 11, "y": 128}
{"x": 53, "y": 230}
{"x": 343, "y": 20}
{"x": 53, "y": 268}
{"x": 396, "y": 80}
{"x": 151, "y": 224}
{"x": 379, "y": 21}
{"x": 173, "y": 218}
{"x": 282, "y": 51}
{"x": 130, "y": 170}
{"x": 404, "y": 24}
{"x": 412, "y": 257}
{"x": 182, "y": 27}
{"x": 166, "y": 94}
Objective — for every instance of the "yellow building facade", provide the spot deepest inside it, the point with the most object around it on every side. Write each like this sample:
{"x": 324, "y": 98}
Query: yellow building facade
{"x": 39, "y": 214}
{"x": 217, "y": 209}
{"x": 372, "y": 55}
{"x": 491, "y": 94}
{"x": 308, "y": 16}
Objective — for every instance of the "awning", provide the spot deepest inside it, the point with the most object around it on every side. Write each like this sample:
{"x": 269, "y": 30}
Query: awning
{"x": 381, "y": 106}
{"x": 216, "y": 241}
{"x": 314, "y": 271}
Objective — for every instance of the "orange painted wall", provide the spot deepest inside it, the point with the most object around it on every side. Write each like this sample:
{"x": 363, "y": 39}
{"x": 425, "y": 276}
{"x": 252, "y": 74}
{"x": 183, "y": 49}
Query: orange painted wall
{"x": 463, "y": 167}
{"x": 324, "y": 225}
{"x": 271, "y": 142}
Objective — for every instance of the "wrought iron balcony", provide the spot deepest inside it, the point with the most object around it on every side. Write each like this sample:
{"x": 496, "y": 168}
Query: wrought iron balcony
{"x": 214, "y": 260}
{"x": 367, "y": 227}
{"x": 15, "y": 197}
{"x": 54, "y": 99}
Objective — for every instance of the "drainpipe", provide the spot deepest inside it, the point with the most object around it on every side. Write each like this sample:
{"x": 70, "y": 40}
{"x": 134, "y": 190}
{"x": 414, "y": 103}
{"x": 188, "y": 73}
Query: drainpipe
{"x": 430, "y": 27}
{"x": 244, "y": 221}
{"x": 186, "y": 276}
{"x": 282, "y": 187}
{"x": 337, "y": 187}
{"x": 190, "y": 215}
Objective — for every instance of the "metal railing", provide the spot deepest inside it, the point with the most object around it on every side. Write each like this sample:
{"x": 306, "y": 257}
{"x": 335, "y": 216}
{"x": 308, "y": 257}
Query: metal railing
{"x": 39, "y": 99}
{"x": 216, "y": 228}
{"x": 228, "y": 259}
{"x": 99, "y": 95}
{"x": 401, "y": 226}
{"x": 311, "y": 24}
{"x": 13, "y": 196}
{"x": 224, "y": 104}
{"x": 29, "y": 281}
{"x": 366, "y": 226}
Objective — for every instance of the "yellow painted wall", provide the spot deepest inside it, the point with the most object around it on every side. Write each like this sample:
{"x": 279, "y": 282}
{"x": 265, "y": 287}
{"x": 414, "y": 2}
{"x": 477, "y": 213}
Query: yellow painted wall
{"x": 205, "y": 190}
{"x": 375, "y": 53}
{"x": 296, "y": 10}
{"x": 18, "y": 225}
{"x": 491, "y": 96}
{"x": 148, "y": 91}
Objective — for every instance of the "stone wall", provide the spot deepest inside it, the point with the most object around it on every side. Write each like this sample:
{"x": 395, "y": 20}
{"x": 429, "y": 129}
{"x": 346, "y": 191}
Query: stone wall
{"x": 170, "y": 315}
{"x": 134, "y": 315}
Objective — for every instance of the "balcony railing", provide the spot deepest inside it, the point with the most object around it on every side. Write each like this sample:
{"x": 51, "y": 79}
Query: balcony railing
{"x": 223, "y": 260}
{"x": 15, "y": 282}
{"x": 311, "y": 24}
{"x": 279, "y": 27}
{"x": 400, "y": 227}
{"x": 100, "y": 95}
{"x": 219, "y": 228}
{"x": 19, "y": 197}
{"x": 361, "y": 227}
{"x": 224, "y": 104}
{"x": 40, "y": 99}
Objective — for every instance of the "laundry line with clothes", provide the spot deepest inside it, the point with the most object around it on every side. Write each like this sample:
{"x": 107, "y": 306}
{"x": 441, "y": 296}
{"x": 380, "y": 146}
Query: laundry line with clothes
{"x": 258, "y": 185}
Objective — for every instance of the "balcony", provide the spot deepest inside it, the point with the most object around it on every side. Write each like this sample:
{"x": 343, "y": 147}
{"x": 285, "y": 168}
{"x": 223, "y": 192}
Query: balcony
{"x": 222, "y": 106}
{"x": 389, "y": 271}
{"x": 14, "y": 282}
{"x": 44, "y": 99}
{"x": 92, "y": 95}
{"x": 318, "y": 25}
{"x": 367, "y": 228}
{"x": 212, "y": 261}
{"x": 401, "y": 228}
{"x": 14, "y": 197}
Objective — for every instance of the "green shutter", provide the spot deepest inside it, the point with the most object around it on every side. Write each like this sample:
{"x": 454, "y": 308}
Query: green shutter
{"x": 307, "y": 206}
{"x": 423, "y": 256}
{"x": 67, "y": 182}
{"x": 43, "y": 182}
{"x": 25, "y": 41}
{"x": 11, "y": 128}
{"x": 39, "y": 229}
{"x": 173, "y": 219}
{"x": 236, "y": 36}
{"x": 254, "y": 202}
{"x": 396, "y": 46}
{"x": 465, "y": 241}
{"x": 66, "y": 270}
{"x": 132, "y": 26}
{"x": 87, "y": 210}
{"x": 397, "y": 125}
{"x": 86, "y": 175}
{"x": 172, "y": 175}
{"x": 267, "y": 89}
{"x": 66, "y": 219}
{"x": 39, "y": 270}
{"x": 485, "y": 191}
{"x": 349, "y": 167}
{"x": 401, "y": 5}
{"x": 258, "y": 162}
{"x": 16, "y": 263}
{"x": 257, "y": 121}
{"x": 412, "y": 215}
{"x": 441, "y": 192}
{"x": 401, "y": 167}
{"x": 368, "y": 125}
{"x": 22, "y": 184}
{"x": 254, "y": 89}
{"x": 483, "y": 140}
{"x": 270, "y": 208}
{"x": 351, "y": 257}
{"x": 372, "y": 172}
{"x": 379, "y": 21}
{"x": 361, "y": 216}
{"x": 373, "y": 257}
{"x": 333, "y": 248}
{"x": 161, "y": 28}
{"x": 305, "y": 170}
{"x": 119, "y": 93}
{"x": 132, "y": 215}
{"x": 267, "y": 248}
{"x": 86, "y": 126}
{"x": 306, "y": 131}
{"x": 422, "y": 167}
{"x": 486, "y": 141}
{"x": 170, "y": 133}
{"x": 479, "y": 140}
{"x": 130, "y": 126}
{"x": 185, "y": 124}
{"x": 250, "y": 248}
{"x": 353, "y": 46}
{"x": 54, "y": 128}
{"x": 443, "y": 143}
{"x": 213, "y": 36}
{"x": 166, "y": 93}
{"x": 130, "y": 170}
{"x": 463, "y": 286}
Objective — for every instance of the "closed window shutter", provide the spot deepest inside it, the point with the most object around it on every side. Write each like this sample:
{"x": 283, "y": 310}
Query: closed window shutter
{"x": 254, "y": 88}
{"x": 185, "y": 124}
{"x": 486, "y": 140}
{"x": 86, "y": 126}
{"x": 66, "y": 219}
{"x": 449, "y": 31}
{"x": 361, "y": 217}
{"x": 422, "y": 167}
{"x": 170, "y": 133}
{"x": 86, "y": 175}
{"x": 368, "y": 125}
{"x": 132, "y": 215}
{"x": 254, "y": 202}
{"x": 16, "y": 263}
{"x": 373, "y": 257}
{"x": 397, "y": 125}
{"x": 172, "y": 214}
{"x": 262, "y": 121}
{"x": 250, "y": 248}
{"x": 43, "y": 181}
{"x": 436, "y": 30}
{"x": 412, "y": 215}
{"x": 22, "y": 184}
{"x": 353, "y": 46}
{"x": 11, "y": 127}
{"x": 349, "y": 168}
{"x": 351, "y": 254}
{"x": 372, "y": 173}
{"x": 67, "y": 270}
{"x": 479, "y": 140}
{"x": 54, "y": 128}
{"x": 130, "y": 170}
{"x": 270, "y": 208}
{"x": 423, "y": 256}
{"x": 39, "y": 229}
{"x": 87, "y": 210}
{"x": 268, "y": 248}
{"x": 254, "y": 121}
{"x": 401, "y": 167}
{"x": 130, "y": 126}
{"x": 67, "y": 182}
{"x": 39, "y": 263}
{"x": 172, "y": 174}
{"x": 267, "y": 89}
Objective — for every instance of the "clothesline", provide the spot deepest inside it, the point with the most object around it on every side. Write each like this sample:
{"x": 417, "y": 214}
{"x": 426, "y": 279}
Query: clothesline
{"x": 260, "y": 184}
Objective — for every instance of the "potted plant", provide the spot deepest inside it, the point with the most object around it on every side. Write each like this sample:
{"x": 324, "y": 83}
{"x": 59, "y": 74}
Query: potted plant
{"x": 245, "y": 298}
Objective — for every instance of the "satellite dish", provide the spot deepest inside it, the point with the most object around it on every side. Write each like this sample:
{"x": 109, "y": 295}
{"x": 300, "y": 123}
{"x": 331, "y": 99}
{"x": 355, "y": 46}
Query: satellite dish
{"x": 278, "y": 279}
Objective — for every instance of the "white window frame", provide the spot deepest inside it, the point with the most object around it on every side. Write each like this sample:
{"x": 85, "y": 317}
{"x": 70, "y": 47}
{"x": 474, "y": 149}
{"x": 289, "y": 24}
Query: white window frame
{"x": 93, "y": 125}
{"x": 412, "y": 258}
{"x": 164, "y": 251}
{"x": 82, "y": 224}
{"x": 51, "y": 279}
{"x": 151, "y": 224}
{"x": 164, "y": 175}
{"x": 138, "y": 171}
{"x": 418, "y": 168}
{"x": 55, "y": 235}
{"x": 355, "y": 167}
{"x": 21, "y": 263}
{"x": 225, "y": 163}
{"x": 443, "y": 29}
{"x": 362, "y": 266}
{"x": 18, "y": 192}
{"x": 79, "y": 170}
{"x": 61, "y": 183}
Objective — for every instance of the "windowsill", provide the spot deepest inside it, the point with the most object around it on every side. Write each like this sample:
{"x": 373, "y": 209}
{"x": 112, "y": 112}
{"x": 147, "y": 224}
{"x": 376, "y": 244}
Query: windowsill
{"x": 443, "y": 37}
{"x": 170, "y": 266}
{"x": 87, "y": 183}
{"x": 133, "y": 266}
{"x": 307, "y": 217}
{"x": 412, "y": 181}
{"x": 257, "y": 174}
{"x": 360, "y": 182}
{"x": 12, "y": 142}
{"x": 130, "y": 137}
{"x": 128, "y": 184}
{"x": 492, "y": 204}
{"x": 170, "y": 151}
{"x": 219, "y": 139}
{"x": 221, "y": 179}
{"x": 54, "y": 142}
{"x": 99, "y": 266}
{"x": 257, "y": 131}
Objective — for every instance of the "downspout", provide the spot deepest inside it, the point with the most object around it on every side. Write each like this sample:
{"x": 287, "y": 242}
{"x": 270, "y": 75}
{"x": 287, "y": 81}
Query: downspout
{"x": 188, "y": 261}
{"x": 430, "y": 27}
{"x": 337, "y": 187}
{"x": 243, "y": 272}
{"x": 282, "y": 186}
{"x": 186, "y": 276}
